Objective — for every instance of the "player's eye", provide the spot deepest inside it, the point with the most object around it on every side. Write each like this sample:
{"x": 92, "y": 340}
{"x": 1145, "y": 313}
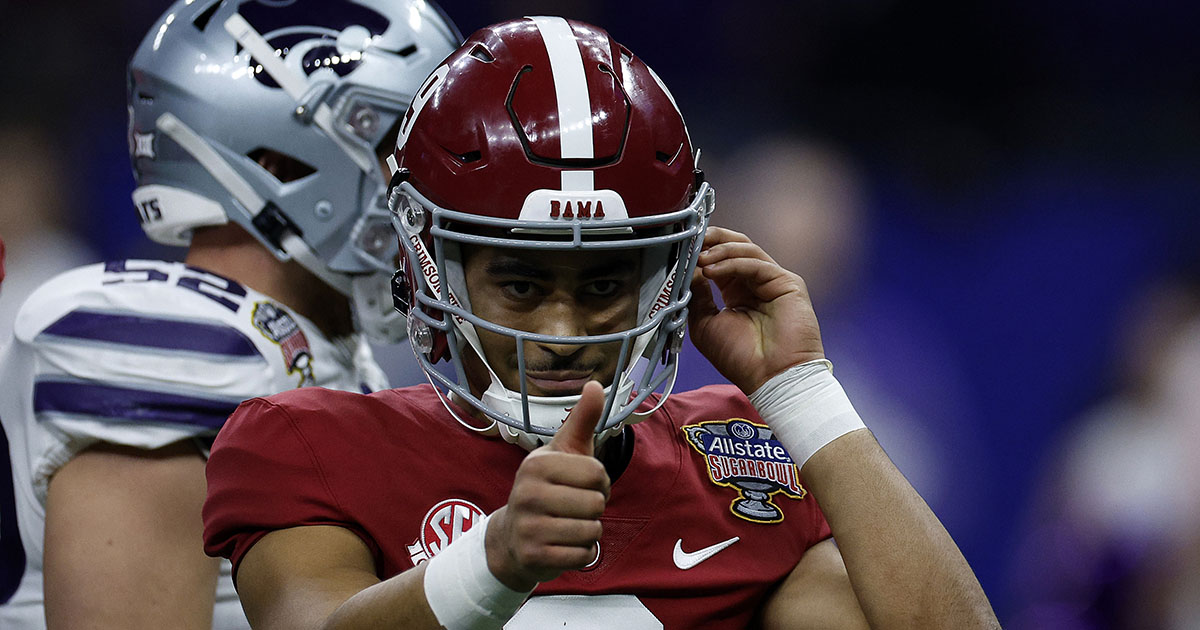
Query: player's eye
{"x": 519, "y": 289}
{"x": 603, "y": 288}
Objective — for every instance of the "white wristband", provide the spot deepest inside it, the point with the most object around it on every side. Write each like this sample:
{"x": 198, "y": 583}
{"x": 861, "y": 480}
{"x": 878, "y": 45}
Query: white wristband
{"x": 806, "y": 408}
{"x": 462, "y": 592}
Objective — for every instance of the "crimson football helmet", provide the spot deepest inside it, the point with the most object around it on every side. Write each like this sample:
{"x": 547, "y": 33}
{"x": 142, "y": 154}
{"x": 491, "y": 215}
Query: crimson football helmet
{"x": 545, "y": 133}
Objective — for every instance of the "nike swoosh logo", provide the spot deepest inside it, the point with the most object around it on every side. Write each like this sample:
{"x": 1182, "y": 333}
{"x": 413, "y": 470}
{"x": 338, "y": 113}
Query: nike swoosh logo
{"x": 686, "y": 560}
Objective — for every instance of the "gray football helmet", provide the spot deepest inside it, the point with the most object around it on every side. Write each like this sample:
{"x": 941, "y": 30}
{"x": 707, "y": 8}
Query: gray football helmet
{"x": 313, "y": 87}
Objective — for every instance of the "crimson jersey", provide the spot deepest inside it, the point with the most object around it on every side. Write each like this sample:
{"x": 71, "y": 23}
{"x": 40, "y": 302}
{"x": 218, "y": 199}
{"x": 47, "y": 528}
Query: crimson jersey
{"x": 707, "y": 517}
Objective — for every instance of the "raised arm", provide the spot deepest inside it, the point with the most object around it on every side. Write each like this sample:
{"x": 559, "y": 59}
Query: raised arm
{"x": 904, "y": 569}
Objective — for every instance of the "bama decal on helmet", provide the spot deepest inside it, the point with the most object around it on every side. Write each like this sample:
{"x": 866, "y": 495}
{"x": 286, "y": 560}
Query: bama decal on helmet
{"x": 554, "y": 205}
{"x": 326, "y": 33}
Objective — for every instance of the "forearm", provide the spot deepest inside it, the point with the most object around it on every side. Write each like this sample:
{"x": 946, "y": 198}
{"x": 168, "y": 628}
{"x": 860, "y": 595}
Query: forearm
{"x": 324, "y": 578}
{"x": 398, "y": 602}
{"x": 906, "y": 570}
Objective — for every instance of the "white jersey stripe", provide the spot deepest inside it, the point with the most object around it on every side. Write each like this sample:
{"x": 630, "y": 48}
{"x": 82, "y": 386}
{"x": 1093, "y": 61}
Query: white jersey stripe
{"x": 87, "y": 345}
{"x": 570, "y": 87}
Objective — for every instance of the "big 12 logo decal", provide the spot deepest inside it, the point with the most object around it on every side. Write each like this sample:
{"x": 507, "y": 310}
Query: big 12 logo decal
{"x": 445, "y": 523}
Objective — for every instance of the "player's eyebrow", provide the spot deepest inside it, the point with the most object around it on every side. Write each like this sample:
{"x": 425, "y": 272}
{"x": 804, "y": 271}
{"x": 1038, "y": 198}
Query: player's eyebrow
{"x": 608, "y": 268}
{"x": 511, "y": 266}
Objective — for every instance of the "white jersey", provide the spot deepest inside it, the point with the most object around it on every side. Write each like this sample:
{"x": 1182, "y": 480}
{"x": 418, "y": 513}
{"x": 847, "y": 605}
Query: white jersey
{"x": 139, "y": 353}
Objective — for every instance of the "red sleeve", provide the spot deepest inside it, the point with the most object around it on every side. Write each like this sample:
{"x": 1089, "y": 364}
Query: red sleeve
{"x": 804, "y": 516}
{"x": 263, "y": 475}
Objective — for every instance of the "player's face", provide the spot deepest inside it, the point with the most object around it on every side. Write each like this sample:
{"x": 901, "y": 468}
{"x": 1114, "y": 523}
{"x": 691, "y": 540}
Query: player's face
{"x": 550, "y": 293}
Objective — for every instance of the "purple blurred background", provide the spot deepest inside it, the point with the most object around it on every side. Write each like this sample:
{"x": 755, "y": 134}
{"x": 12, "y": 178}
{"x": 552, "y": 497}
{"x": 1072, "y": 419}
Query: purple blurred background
{"x": 993, "y": 202}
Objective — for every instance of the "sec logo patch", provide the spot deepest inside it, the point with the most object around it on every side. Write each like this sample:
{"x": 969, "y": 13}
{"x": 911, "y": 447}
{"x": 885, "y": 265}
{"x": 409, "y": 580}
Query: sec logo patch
{"x": 443, "y": 524}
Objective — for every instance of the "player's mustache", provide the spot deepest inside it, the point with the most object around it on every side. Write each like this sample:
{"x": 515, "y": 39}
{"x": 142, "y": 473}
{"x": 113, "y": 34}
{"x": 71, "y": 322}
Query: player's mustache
{"x": 561, "y": 364}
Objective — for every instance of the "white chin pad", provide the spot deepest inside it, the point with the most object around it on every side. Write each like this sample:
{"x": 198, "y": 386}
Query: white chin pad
{"x": 545, "y": 412}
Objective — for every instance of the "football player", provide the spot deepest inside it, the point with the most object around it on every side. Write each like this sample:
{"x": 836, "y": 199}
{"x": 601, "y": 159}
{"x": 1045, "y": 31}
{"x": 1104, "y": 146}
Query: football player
{"x": 555, "y": 228}
{"x": 255, "y": 134}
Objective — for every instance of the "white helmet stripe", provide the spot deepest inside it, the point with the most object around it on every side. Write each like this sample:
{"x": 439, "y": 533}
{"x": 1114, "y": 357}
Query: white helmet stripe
{"x": 570, "y": 87}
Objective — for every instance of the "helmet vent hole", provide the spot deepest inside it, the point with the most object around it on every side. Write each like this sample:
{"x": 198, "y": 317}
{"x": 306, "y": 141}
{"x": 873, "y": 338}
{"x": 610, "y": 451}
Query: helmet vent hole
{"x": 145, "y": 98}
{"x": 201, "y": 21}
{"x": 668, "y": 158}
{"x": 407, "y": 51}
{"x": 468, "y": 157}
{"x": 482, "y": 54}
{"x": 284, "y": 167}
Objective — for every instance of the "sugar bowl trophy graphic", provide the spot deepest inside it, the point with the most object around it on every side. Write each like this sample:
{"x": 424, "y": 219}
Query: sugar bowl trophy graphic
{"x": 745, "y": 456}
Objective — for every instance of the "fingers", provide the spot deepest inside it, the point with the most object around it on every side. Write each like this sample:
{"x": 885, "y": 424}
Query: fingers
{"x": 719, "y": 238}
{"x": 550, "y": 546}
{"x": 715, "y": 235}
{"x": 764, "y": 279}
{"x": 524, "y": 549}
{"x": 552, "y": 476}
{"x": 578, "y": 432}
{"x": 719, "y": 249}
{"x": 702, "y": 304}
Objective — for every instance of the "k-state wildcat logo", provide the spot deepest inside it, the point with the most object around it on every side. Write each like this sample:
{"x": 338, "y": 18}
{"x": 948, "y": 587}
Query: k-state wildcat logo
{"x": 745, "y": 456}
{"x": 445, "y": 523}
{"x": 310, "y": 29}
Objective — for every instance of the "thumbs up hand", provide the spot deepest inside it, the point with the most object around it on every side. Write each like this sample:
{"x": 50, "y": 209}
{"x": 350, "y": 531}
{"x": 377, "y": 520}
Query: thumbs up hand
{"x": 551, "y": 523}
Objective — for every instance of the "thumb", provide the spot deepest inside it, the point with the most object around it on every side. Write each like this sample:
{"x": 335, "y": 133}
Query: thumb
{"x": 578, "y": 432}
{"x": 703, "y": 304}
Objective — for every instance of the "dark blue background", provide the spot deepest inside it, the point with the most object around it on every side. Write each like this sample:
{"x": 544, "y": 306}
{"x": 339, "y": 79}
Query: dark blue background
{"x": 1028, "y": 168}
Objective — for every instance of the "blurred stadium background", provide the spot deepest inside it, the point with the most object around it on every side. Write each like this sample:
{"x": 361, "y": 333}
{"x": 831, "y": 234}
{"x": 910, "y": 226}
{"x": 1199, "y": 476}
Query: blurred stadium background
{"x": 994, "y": 204}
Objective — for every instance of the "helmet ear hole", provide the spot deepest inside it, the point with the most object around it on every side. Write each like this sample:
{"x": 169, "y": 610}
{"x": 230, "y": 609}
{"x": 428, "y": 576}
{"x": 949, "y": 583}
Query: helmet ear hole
{"x": 284, "y": 168}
